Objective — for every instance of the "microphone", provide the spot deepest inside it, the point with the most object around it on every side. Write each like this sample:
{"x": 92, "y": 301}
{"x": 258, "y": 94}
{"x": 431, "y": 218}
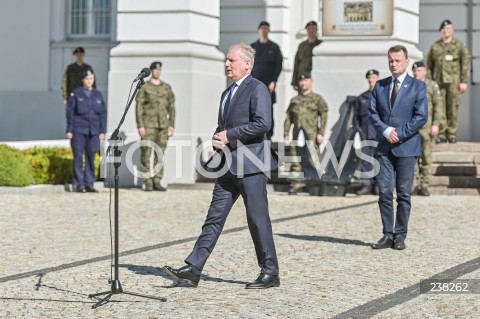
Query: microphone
{"x": 143, "y": 74}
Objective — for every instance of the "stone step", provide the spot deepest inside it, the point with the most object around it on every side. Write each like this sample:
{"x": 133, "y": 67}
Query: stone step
{"x": 439, "y": 190}
{"x": 457, "y": 147}
{"x": 447, "y": 169}
{"x": 453, "y": 157}
{"x": 455, "y": 181}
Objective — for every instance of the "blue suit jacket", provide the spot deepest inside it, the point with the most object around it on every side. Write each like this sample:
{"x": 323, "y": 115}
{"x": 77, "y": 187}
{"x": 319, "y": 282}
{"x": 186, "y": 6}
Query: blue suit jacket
{"x": 248, "y": 120}
{"x": 407, "y": 116}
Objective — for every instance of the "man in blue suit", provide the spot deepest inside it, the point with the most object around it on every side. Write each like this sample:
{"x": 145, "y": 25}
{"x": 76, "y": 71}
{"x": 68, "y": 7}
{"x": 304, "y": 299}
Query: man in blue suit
{"x": 244, "y": 120}
{"x": 397, "y": 111}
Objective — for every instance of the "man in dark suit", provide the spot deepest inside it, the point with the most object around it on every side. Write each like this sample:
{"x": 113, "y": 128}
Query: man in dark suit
{"x": 244, "y": 119}
{"x": 398, "y": 110}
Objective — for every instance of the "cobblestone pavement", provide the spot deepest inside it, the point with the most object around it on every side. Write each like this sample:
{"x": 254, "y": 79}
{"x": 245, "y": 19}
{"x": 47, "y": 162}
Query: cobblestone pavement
{"x": 55, "y": 251}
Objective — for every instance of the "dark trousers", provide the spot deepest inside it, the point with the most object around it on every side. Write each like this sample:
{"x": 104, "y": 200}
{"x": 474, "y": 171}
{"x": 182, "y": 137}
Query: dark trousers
{"x": 366, "y": 166}
{"x": 227, "y": 189}
{"x": 395, "y": 172}
{"x": 270, "y": 131}
{"x": 88, "y": 144}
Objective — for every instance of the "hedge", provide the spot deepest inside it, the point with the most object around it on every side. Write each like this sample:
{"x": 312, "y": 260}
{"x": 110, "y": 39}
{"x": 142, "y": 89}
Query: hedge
{"x": 15, "y": 170}
{"x": 53, "y": 165}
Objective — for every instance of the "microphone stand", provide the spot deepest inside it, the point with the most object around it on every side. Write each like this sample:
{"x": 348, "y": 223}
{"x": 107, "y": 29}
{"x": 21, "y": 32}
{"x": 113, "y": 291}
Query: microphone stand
{"x": 116, "y": 286}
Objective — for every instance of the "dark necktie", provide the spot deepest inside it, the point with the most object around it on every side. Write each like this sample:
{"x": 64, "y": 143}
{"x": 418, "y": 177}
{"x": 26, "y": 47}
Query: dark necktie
{"x": 227, "y": 101}
{"x": 394, "y": 92}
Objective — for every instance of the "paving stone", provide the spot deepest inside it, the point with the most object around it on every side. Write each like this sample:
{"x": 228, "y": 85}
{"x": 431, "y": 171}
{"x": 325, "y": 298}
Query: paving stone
{"x": 326, "y": 265}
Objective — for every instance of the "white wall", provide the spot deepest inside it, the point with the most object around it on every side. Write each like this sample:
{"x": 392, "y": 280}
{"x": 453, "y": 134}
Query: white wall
{"x": 25, "y": 35}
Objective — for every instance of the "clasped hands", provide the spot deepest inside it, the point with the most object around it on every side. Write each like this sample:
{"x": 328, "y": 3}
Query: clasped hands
{"x": 393, "y": 137}
{"x": 220, "y": 139}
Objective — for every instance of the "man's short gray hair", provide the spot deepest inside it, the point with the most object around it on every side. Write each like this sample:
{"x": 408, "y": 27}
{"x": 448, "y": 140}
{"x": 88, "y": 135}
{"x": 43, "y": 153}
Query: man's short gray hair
{"x": 247, "y": 53}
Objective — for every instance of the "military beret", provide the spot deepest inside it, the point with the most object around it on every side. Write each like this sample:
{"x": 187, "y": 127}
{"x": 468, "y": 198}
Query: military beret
{"x": 262, "y": 23}
{"x": 372, "y": 72}
{"x": 305, "y": 75}
{"x": 78, "y": 50}
{"x": 444, "y": 23}
{"x": 155, "y": 65}
{"x": 311, "y": 23}
{"x": 87, "y": 72}
{"x": 418, "y": 64}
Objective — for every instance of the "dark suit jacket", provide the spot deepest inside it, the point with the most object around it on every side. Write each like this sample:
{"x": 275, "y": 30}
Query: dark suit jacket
{"x": 407, "y": 116}
{"x": 248, "y": 120}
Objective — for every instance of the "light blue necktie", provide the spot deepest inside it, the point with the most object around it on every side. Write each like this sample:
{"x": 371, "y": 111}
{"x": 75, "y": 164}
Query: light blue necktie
{"x": 227, "y": 101}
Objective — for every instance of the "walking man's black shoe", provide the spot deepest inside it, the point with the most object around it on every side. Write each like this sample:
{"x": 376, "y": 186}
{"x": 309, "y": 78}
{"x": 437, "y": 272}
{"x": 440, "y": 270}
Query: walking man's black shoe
{"x": 264, "y": 281}
{"x": 184, "y": 275}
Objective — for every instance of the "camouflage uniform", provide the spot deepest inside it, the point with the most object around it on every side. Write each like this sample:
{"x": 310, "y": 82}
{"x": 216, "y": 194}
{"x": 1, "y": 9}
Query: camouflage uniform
{"x": 304, "y": 112}
{"x": 155, "y": 112}
{"x": 72, "y": 78}
{"x": 449, "y": 64}
{"x": 303, "y": 59}
{"x": 435, "y": 116}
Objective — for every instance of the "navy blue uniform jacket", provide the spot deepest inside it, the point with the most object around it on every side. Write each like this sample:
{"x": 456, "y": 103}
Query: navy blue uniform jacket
{"x": 86, "y": 115}
{"x": 407, "y": 116}
{"x": 360, "y": 116}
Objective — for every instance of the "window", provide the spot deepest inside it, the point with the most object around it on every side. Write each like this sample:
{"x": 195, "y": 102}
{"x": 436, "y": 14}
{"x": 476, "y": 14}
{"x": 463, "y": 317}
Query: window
{"x": 90, "y": 18}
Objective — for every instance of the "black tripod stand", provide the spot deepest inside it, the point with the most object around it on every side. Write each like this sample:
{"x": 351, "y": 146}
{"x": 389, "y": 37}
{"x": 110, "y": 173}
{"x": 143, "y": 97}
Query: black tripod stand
{"x": 116, "y": 286}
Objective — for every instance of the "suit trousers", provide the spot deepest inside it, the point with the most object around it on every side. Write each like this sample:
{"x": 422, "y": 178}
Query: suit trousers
{"x": 88, "y": 144}
{"x": 395, "y": 172}
{"x": 227, "y": 189}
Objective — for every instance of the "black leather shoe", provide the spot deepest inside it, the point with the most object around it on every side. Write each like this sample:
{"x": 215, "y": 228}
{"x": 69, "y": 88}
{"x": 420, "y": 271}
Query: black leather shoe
{"x": 264, "y": 281}
{"x": 148, "y": 188}
{"x": 452, "y": 140}
{"x": 81, "y": 189}
{"x": 375, "y": 191}
{"x": 90, "y": 189}
{"x": 159, "y": 187}
{"x": 184, "y": 274}
{"x": 383, "y": 243}
{"x": 399, "y": 244}
{"x": 364, "y": 191}
{"x": 424, "y": 192}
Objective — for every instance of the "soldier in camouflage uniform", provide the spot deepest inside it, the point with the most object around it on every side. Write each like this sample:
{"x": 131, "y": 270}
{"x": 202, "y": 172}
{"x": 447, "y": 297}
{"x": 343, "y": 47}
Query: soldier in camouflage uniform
{"x": 72, "y": 78}
{"x": 155, "y": 115}
{"x": 307, "y": 110}
{"x": 303, "y": 57}
{"x": 449, "y": 64}
{"x": 429, "y": 131}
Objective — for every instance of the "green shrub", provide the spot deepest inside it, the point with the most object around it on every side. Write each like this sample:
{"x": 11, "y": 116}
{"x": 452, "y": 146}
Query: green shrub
{"x": 15, "y": 170}
{"x": 53, "y": 165}
{"x": 50, "y": 165}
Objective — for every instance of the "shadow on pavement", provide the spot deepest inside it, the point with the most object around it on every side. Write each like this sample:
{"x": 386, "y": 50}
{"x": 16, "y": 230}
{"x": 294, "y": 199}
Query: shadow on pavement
{"x": 327, "y": 239}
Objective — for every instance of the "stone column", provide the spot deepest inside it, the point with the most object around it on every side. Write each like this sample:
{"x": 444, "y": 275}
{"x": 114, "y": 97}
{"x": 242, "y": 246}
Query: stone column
{"x": 340, "y": 62}
{"x": 183, "y": 35}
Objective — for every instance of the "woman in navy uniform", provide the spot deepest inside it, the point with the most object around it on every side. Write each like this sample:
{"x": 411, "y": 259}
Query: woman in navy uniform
{"x": 86, "y": 126}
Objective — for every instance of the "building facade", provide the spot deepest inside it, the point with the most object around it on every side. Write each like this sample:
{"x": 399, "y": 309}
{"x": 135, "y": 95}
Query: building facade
{"x": 191, "y": 38}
